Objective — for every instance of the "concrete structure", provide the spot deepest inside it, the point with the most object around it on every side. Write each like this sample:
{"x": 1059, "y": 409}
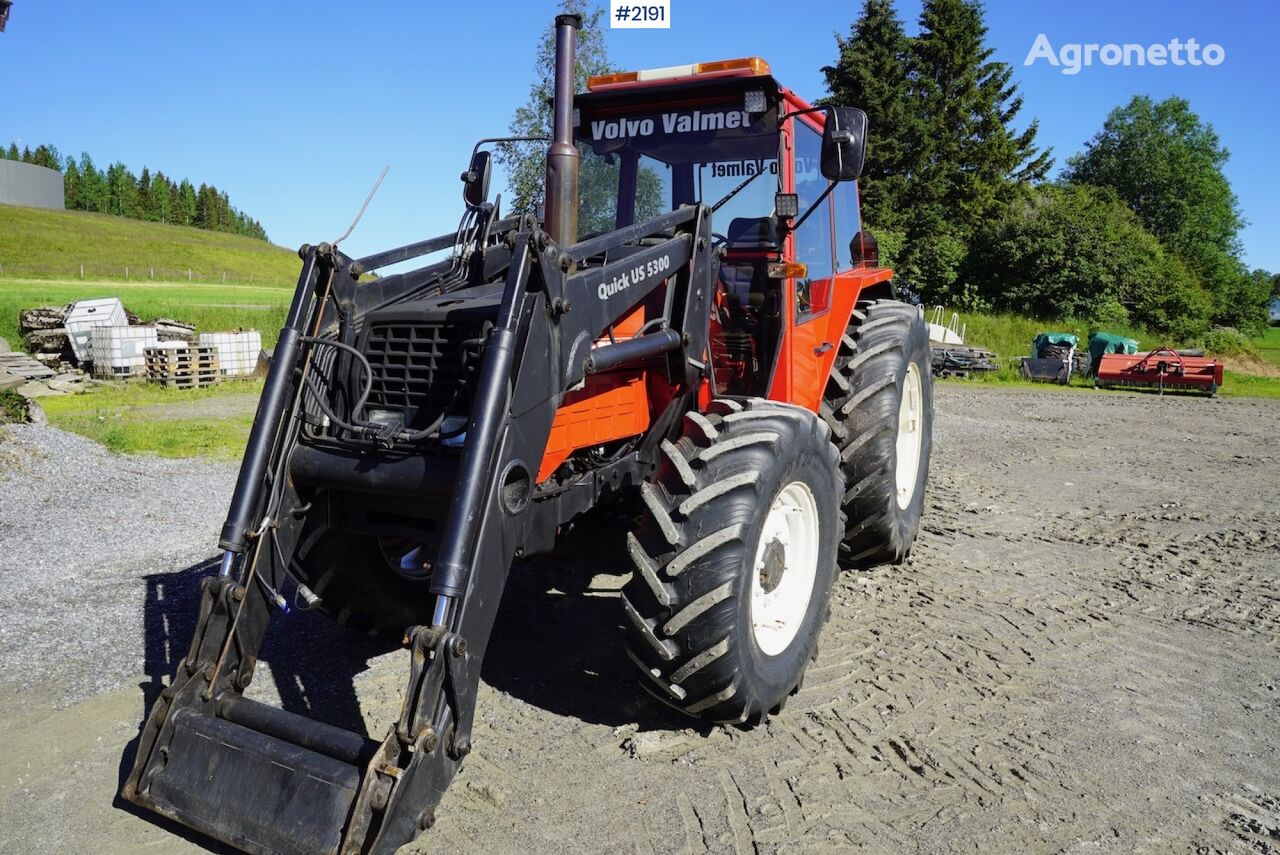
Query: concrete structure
{"x": 30, "y": 185}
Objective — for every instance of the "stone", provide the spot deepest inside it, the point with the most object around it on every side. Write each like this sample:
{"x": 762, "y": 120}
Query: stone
{"x": 37, "y": 390}
{"x": 4, "y": 346}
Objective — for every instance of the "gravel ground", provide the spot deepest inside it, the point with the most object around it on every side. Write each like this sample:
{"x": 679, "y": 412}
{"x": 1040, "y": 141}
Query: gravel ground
{"x": 81, "y": 533}
{"x": 1081, "y": 655}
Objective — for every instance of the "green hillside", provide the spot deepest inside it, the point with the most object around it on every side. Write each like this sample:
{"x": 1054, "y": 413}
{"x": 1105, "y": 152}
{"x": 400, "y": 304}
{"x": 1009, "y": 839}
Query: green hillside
{"x": 41, "y": 244}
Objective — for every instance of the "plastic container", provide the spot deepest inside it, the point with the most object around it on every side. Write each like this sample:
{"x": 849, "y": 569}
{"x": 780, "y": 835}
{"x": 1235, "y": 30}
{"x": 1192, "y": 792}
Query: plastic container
{"x": 237, "y": 351}
{"x": 119, "y": 351}
{"x": 84, "y": 315}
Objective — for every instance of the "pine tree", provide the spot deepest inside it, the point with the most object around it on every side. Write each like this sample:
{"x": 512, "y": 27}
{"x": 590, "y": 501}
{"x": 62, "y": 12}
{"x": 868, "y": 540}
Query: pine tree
{"x": 157, "y": 195}
{"x": 72, "y": 186}
{"x": 188, "y": 204}
{"x": 973, "y": 160}
{"x": 47, "y": 156}
{"x": 122, "y": 189}
{"x": 12, "y": 153}
{"x": 93, "y": 195}
{"x": 145, "y": 209}
{"x": 871, "y": 73}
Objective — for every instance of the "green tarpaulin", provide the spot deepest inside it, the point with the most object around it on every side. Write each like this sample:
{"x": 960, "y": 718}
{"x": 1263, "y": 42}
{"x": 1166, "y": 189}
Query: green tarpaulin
{"x": 1045, "y": 339}
{"x": 1104, "y": 342}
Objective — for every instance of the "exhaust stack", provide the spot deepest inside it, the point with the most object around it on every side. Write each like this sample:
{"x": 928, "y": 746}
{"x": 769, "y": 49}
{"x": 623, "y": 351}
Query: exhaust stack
{"x": 562, "y": 157}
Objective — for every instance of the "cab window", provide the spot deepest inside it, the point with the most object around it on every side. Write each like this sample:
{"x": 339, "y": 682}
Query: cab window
{"x": 814, "y": 245}
{"x": 848, "y": 220}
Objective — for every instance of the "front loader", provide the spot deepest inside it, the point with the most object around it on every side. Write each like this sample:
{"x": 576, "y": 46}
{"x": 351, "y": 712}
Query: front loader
{"x": 753, "y": 397}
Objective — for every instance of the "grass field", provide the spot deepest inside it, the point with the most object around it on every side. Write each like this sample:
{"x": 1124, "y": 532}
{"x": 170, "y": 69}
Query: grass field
{"x": 135, "y": 417}
{"x": 43, "y": 244}
{"x": 1268, "y": 345}
{"x": 214, "y": 422}
{"x": 210, "y": 307}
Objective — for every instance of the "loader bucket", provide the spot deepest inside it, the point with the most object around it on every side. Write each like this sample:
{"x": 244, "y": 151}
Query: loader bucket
{"x": 258, "y": 777}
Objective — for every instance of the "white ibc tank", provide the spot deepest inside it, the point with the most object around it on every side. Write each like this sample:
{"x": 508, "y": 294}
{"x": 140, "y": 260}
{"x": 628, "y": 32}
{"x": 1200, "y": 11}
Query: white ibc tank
{"x": 119, "y": 351}
{"x": 84, "y": 315}
{"x": 237, "y": 351}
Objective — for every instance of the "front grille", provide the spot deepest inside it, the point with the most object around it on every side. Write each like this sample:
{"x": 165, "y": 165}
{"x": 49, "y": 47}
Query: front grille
{"x": 421, "y": 368}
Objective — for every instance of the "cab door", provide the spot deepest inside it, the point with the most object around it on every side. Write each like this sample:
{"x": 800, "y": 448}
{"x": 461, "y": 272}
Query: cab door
{"x": 809, "y": 343}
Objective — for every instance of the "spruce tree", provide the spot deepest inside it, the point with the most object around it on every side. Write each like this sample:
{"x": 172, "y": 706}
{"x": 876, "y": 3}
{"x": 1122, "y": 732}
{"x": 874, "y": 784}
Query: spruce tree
{"x": 94, "y": 195}
{"x": 72, "y": 186}
{"x": 973, "y": 160}
{"x": 871, "y": 72}
{"x": 12, "y": 153}
{"x": 145, "y": 210}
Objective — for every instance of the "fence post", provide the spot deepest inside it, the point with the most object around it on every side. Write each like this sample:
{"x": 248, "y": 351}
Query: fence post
{"x": 153, "y": 273}
{"x": 126, "y": 273}
{"x": 224, "y": 277}
{"x": 188, "y": 274}
{"x": 82, "y": 271}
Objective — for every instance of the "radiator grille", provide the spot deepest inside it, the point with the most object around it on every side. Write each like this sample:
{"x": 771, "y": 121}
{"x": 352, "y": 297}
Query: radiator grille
{"x": 418, "y": 368}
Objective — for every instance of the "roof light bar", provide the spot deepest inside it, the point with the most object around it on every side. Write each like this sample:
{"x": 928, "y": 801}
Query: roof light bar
{"x": 752, "y": 66}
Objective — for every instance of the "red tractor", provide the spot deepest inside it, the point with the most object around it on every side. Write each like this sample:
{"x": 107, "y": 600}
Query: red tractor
{"x": 698, "y": 333}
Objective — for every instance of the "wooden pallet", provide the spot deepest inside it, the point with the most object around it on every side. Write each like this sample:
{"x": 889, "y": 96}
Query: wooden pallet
{"x": 183, "y": 367}
{"x": 191, "y": 381}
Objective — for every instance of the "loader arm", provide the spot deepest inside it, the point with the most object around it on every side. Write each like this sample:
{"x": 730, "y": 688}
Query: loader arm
{"x": 267, "y": 780}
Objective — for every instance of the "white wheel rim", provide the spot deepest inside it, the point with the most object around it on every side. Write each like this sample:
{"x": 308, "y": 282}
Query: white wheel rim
{"x": 791, "y": 524}
{"x": 910, "y": 435}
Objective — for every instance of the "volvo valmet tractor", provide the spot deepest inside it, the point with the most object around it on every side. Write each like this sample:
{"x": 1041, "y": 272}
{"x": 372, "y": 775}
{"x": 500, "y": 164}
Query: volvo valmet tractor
{"x": 698, "y": 334}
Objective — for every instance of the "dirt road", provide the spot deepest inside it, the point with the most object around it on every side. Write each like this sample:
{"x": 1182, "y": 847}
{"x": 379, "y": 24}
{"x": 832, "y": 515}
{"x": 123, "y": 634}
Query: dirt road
{"x": 1083, "y": 654}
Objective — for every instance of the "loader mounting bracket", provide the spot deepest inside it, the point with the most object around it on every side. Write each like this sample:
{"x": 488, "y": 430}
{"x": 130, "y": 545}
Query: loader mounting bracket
{"x": 439, "y": 660}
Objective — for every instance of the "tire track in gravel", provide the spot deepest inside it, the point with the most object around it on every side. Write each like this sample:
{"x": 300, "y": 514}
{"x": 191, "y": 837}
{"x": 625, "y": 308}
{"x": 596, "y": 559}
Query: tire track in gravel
{"x": 1020, "y": 676}
{"x": 1080, "y": 654}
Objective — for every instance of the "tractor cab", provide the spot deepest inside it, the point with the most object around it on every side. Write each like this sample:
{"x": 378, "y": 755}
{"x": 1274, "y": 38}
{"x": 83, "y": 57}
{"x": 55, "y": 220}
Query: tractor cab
{"x": 778, "y": 175}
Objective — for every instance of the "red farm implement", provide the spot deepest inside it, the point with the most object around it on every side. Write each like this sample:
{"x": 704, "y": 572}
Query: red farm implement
{"x": 1162, "y": 368}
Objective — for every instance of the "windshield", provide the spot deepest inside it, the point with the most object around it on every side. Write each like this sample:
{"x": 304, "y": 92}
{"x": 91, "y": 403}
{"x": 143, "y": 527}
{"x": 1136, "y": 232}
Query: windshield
{"x": 639, "y": 164}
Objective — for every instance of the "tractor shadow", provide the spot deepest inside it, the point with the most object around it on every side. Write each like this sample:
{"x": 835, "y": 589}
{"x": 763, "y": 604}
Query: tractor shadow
{"x": 557, "y": 644}
{"x": 558, "y": 640}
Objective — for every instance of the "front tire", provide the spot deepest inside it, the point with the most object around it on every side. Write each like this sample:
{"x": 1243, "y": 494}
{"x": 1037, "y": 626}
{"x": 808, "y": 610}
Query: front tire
{"x": 879, "y": 406}
{"x": 734, "y": 560}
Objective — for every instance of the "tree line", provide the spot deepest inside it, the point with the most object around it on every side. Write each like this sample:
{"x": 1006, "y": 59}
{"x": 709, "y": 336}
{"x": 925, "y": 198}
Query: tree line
{"x": 151, "y": 196}
{"x": 1140, "y": 227}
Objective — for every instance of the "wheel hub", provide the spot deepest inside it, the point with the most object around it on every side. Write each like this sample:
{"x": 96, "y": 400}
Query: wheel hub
{"x": 785, "y": 568}
{"x": 775, "y": 564}
{"x": 910, "y": 437}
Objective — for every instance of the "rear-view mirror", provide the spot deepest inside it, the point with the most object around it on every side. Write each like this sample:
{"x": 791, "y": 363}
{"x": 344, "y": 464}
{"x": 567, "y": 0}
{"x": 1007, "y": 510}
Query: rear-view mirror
{"x": 475, "y": 181}
{"x": 844, "y": 143}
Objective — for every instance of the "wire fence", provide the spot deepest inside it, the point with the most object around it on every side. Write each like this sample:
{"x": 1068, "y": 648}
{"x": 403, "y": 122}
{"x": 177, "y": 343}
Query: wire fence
{"x": 137, "y": 273}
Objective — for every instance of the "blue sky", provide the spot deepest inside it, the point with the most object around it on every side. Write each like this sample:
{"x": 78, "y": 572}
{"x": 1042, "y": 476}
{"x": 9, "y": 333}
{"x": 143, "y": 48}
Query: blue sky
{"x": 293, "y": 108}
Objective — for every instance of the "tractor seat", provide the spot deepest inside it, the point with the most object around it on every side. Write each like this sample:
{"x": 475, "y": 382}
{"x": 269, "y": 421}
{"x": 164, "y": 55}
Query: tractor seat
{"x": 744, "y": 275}
{"x": 752, "y": 234}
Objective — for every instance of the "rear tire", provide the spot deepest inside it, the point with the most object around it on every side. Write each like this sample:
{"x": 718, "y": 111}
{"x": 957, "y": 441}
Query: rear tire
{"x": 734, "y": 560}
{"x": 879, "y": 406}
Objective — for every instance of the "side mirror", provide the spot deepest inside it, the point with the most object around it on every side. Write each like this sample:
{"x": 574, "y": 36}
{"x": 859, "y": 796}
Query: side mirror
{"x": 475, "y": 181}
{"x": 844, "y": 143}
